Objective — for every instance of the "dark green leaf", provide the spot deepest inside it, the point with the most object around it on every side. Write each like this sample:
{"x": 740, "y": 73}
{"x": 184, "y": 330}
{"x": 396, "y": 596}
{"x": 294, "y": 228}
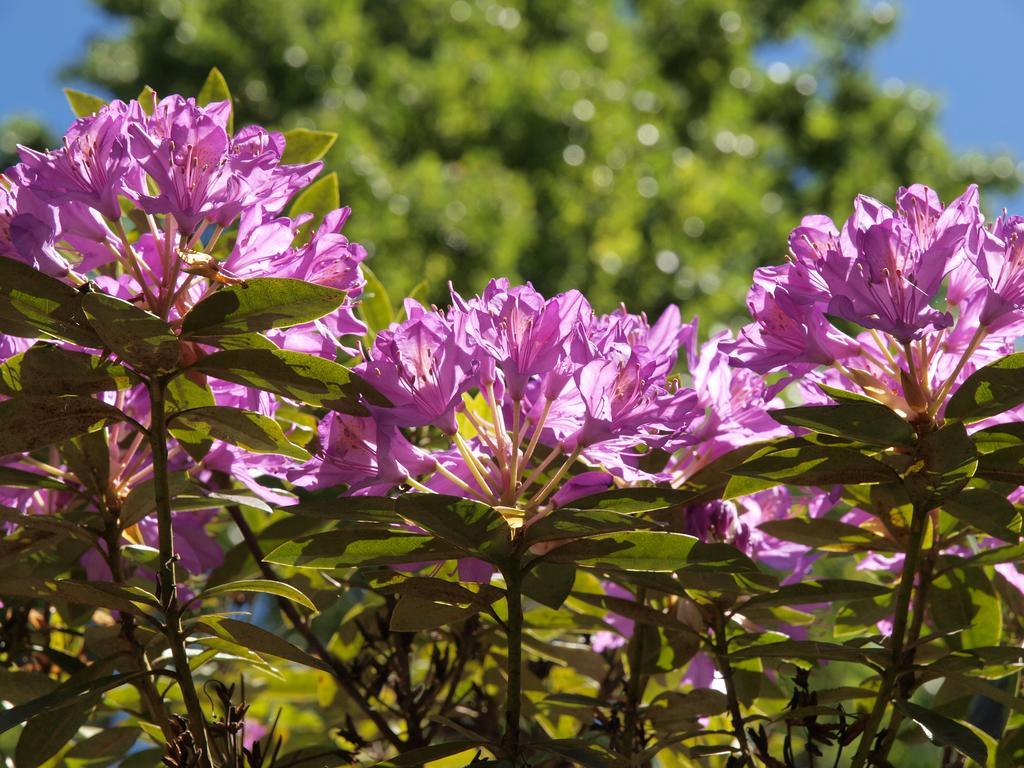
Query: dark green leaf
{"x": 16, "y": 478}
{"x": 988, "y": 391}
{"x": 97, "y": 594}
{"x": 342, "y": 549}
{"x": 413, "y": 614}
{"x": 949, "y": 461}
{"x": 246, "y": 429}
{"x": 808, "y": 650}
{"x": 301, "y": 145}
{"x": 583, "y": 753}
{"x": 472, "y": 527}
{"x": 139, "y": 338}
{"x": 263, "y": 303}
{"x": 816, "y": 465}
{"x": 672, "y": 709}
{"x": 822, "y": 591}
{"x": 44, "y": 735}
{"x": 74, "y": 691}
{"x": 141, "y": 500}
{"x": 628, "y": 551}
{"x": 296, "y": 375}
{"x": 963, "y": 601}
{"x": 827, "y": 535}
{"x": 261, "y": 641}
{"x": 31, "y": 422}
{"x": 945, "y": 732}
{"x": 350, "y": 509}
{"x": 987, "y": 511}
{"x": 864, "y": 422}
{"x": 107, "y": 743}
{"x": 1005, "y": 464}
{"x": 48, "y": 370}
{"x": 33, "y": 304}
{"x": 549, "y": 583}
{"x": 633, "y": 500}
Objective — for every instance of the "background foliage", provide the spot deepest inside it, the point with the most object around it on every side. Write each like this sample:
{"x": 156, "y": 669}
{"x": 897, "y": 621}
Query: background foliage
{"x": 635, "y": 149}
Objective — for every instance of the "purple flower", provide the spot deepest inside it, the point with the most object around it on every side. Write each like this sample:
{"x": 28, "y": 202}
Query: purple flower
{"x": 523, "y": 332}
{"x": 786, "y": 334}
{"x": 94, "y": 166}
{"x": 422, "y": 369}
{"x": 202, "y": 174}
{"x": 29, "y": 227}
{"x": 890, "y": 265}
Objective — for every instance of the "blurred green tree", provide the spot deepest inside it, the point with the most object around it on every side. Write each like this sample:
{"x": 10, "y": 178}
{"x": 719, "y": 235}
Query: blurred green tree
{"x": 637, "y": 149}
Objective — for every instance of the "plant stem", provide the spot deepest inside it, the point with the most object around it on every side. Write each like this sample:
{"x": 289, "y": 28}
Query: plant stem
{"x": 721, "y": 647}
{"x": 514, "y": 631}
{"x": 635, "y": 688}
{"x": 168, "y": 574}
{"x": 899, "y": 627}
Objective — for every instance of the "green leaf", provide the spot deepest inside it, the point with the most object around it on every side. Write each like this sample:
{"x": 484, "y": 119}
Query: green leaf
{"x": 96, "y": 594}
{"x": 319, "y": 198}
{"x": 549, "y": 583}
{"x": 216, "y": 89}
{"x": 633, "y": 500}
{"x": 415, "y": 758}
{"x": 350, "y": 509}
{"x": 33, "y": 304}
{"x": 413, "y": 614}
{"x": 843, "y": 396}
{"x": 808, "y": 650}
{"x": 72, "y": 692}
{"x": 949, "y": 461}
{"x": 627, "y": 551}
{"x": 343, "y": 549}
{"x": 138, "y": 337}
{"x": 1005, "y": 465}
{"x": 47, "y": 370}
{"x": 987, "y": 511}
{"x": 864, "y": 422}
{"x": 296, "y": 375}
{"x": 83, "y": 104}
{"x": 261, "y": 641}
{"x": 17, "y": 478}
{"x": 141, "y": 499}
{"x": 822, "y": 591}
{"x": 375, "y": 303}
{"x": 44, "y": 735}
{"x": 263, "y": 303}
{"x": 579, "y": 752}
{"x": 108, "y": 743}
{"x": 475, "y": 528}
{"x": 670, "y": 708}
{"x": 999, "y": 436}
{"x": 816, "y": 465}
{"x": 184, "y": 393}
{"x": 31, "y": 422}
{"x": 264, "y": 586}
{"x": 988, "y": 391}
{"x": 569, "y": 523}
{"x": 246, "y": 429}
{"x": 964, "y": 602}
{"x": 945, "y": 732}
{"x": 301, "y": 145}
{"x": 827, "y": 535}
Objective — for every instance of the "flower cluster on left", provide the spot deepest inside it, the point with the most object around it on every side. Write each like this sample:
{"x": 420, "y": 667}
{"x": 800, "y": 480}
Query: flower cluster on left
{"x": 146, "y": 271}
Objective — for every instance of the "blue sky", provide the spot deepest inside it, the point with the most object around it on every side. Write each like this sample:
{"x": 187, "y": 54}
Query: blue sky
{"x": 967, "y": 54}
